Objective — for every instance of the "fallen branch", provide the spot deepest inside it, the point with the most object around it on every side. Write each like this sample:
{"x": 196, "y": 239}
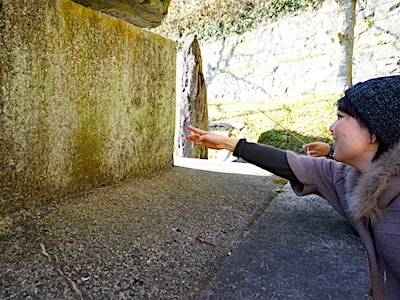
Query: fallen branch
{"x": 203, "y": 241}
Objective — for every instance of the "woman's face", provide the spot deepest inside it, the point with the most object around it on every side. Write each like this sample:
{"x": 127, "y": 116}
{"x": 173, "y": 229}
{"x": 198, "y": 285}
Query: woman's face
{"x": 353, "y": 144}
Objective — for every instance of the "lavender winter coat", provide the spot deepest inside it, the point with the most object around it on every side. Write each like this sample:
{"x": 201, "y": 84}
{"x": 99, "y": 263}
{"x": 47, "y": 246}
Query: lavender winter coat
{"x": 371, "y": 203}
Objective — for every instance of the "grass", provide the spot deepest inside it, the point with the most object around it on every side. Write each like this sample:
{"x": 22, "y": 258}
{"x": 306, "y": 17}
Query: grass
{"x": 286, "y": 123}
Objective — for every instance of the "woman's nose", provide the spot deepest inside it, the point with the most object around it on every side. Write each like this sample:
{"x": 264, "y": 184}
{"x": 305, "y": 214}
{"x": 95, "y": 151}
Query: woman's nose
{"x": 332, "y": 127}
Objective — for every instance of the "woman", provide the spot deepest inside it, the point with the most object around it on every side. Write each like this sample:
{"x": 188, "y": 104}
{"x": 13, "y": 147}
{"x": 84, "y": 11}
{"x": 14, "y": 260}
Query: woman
{"x": 362, "y": 182}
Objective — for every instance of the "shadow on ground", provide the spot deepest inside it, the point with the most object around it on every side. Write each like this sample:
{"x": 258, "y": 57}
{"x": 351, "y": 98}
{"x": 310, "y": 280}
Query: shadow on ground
{"x": 133, "y": 240}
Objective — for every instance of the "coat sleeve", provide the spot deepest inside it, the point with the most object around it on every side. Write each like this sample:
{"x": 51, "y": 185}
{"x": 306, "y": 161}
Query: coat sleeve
{"x": 266, "y": 157}
{"x": 307, "y": 175}
{"x": 387, "y": 238}
{"x": 321, "y": 176}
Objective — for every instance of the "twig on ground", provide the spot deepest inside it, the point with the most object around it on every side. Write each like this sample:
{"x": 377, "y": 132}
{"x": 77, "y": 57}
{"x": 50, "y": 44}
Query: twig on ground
{"x": 44, "y": 252}
{"x": 203, "y": 241}
{"x": 73, "y": 284}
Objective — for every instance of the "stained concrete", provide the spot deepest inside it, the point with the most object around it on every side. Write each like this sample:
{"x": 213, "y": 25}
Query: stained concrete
{"x": 81, "y": 95}
{"x": 137, "y": 240}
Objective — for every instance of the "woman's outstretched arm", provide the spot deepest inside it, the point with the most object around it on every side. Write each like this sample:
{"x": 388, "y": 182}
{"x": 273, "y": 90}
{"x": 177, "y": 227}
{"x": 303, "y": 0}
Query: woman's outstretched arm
{"x": 211, "y": 140}
{"x": 266, "y": 157}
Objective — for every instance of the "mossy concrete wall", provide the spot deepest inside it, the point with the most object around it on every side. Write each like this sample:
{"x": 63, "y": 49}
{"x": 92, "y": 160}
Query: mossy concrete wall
{"x": 86, "y": 100}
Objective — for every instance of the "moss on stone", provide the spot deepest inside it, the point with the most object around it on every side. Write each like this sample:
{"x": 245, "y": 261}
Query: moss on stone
{"x": 87, "y": 100}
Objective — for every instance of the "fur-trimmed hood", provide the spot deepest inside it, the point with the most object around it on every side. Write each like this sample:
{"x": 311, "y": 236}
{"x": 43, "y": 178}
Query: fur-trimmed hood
{"x": 368, "y": 194}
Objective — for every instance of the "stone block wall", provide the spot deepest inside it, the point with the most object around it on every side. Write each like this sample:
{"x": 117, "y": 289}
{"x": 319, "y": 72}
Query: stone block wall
{"x": 87, "y": 100}
{"x": 297, "y": 55}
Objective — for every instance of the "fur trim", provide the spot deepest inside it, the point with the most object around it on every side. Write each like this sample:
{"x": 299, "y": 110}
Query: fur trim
{"x": 365, "y": 190}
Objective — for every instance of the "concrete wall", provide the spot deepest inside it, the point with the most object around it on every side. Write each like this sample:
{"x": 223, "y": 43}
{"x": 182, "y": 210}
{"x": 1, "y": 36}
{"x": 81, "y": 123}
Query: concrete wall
{"x": 86, "y": 100}
{"x": 297, "y": 55}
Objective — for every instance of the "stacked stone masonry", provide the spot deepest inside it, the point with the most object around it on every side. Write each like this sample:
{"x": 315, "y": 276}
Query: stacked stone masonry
{"x": 297, "y": 55}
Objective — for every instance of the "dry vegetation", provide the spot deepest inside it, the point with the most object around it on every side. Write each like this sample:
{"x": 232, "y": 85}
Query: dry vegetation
{"x": 286, "y": 123}
{"x": 213, "y": 19}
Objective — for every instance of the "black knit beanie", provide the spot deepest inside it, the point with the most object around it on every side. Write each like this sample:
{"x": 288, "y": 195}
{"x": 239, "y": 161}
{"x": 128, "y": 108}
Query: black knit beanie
{"x": 378, "y": 103}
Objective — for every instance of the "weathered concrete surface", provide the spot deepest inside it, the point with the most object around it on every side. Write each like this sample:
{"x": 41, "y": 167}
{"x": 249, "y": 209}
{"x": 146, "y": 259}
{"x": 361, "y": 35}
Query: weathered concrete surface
{"x": 144, "y": 14}
{"x": 137, "y": 240}
{"x": 299, "y": 249}
{"x": 86, "y": 100}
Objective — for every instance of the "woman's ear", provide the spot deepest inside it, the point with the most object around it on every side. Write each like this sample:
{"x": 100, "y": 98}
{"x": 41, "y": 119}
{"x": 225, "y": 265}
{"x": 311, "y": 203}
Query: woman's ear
{"x": 373, "y": 138}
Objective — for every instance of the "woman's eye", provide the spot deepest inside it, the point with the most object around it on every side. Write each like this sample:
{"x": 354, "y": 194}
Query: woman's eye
{"x": 339, "y": 116}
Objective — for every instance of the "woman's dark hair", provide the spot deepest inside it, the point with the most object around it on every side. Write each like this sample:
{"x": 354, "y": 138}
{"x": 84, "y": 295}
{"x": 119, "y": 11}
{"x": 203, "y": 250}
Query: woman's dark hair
{"x": 347, "y": 107}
